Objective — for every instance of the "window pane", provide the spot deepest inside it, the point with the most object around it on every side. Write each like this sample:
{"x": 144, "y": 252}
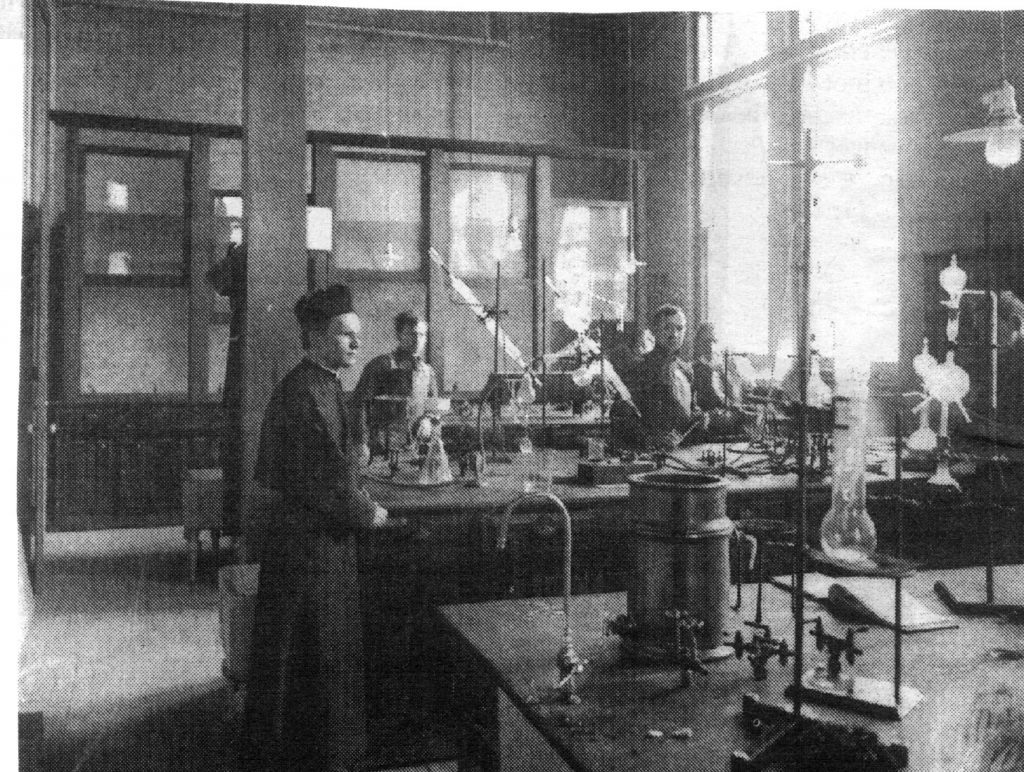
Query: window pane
{"x": 469, "y": 345}
{"x": 593, "y": 241}
{"x": 854, "y": 243}
{"x": 134, "y": 341}
{"x": 486, "y": 206}
{"x": 488, "y": 214}
{"x": 730, "y": 40}
{"x": 734, "y": 214}
{"x": 815, "y": 22}
{"x": 377, "y": 218}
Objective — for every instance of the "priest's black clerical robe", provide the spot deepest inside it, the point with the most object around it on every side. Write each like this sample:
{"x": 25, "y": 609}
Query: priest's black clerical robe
{"x": 305, "y": 706}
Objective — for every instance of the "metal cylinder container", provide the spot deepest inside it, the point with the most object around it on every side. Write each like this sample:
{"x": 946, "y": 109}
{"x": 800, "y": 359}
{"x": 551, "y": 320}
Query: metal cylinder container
{"x": 680, "y": 558}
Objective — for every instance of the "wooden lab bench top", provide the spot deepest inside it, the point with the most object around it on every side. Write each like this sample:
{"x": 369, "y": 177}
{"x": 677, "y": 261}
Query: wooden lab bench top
{"x": 973, "y": 703}
{"x": 505, "y": 481}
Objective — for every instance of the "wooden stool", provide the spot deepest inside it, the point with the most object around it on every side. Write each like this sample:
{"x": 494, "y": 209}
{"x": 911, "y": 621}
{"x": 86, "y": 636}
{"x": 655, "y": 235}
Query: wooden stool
{"x": 202, "y": 506}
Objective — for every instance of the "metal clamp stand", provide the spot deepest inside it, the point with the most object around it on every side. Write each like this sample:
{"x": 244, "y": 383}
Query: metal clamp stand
{"x": 753, "y": 709}
{"x": 761, "y": 648}
{"x": 988, "y": 607}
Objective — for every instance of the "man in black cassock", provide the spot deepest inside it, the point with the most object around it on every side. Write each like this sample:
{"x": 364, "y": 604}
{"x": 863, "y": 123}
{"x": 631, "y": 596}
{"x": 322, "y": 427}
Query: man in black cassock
{"x": 305, "y": 699}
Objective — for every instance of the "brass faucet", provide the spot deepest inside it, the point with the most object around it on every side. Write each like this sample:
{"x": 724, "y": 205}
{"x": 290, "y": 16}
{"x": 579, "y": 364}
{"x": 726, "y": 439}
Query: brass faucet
{"x": 570, "y": 663}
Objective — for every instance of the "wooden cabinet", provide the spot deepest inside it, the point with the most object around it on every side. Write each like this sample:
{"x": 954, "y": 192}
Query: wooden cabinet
{"x": 121, "y": 465}
{"x": 142, "y": 342}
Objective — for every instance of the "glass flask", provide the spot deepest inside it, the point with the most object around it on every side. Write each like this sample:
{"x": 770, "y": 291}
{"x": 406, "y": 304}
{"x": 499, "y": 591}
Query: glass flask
{"x": 847, "y": 531}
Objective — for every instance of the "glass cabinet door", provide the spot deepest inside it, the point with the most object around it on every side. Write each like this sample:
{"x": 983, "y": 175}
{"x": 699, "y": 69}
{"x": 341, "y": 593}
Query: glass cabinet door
{"x": 133, "y": 223}
{"x": 133, "y": 302}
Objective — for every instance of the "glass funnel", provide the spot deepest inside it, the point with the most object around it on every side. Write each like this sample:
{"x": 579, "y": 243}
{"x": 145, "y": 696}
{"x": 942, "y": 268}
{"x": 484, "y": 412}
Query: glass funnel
{"x": 847, "y": 531}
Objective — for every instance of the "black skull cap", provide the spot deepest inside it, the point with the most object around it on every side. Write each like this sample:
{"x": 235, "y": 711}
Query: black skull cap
{"x": 316, "y": 309}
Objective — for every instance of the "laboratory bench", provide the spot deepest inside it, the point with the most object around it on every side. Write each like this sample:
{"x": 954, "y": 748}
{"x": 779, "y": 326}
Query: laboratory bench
{"x": 500, "y": 670}
{"x": 445, "y": 550}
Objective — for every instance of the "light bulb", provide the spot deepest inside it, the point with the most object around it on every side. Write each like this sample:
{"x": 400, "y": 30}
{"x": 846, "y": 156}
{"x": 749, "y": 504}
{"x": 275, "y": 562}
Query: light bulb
{"x": 1003, "y": 149}
{"x": 948, "y": 383}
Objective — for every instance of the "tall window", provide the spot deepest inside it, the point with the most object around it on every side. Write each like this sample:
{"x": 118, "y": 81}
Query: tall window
{"x": 846, "y": 96}
{"x": 854, "y": 243}
{"x": 734, "y": 218}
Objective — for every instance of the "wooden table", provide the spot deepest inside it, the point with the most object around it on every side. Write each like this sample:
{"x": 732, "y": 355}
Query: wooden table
{"x": 503, "y": 668}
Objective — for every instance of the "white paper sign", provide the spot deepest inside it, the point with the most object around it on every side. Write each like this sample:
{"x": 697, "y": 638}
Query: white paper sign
{"x": 319, "y": 228}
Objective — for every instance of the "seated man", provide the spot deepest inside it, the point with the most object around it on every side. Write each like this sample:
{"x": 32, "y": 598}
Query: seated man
{"x": 664, "y": 384}
{"x": 401, "y": 374}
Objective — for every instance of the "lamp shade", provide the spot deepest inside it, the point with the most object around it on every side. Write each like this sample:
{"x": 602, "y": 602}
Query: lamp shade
{"x": 1004, "y": 131}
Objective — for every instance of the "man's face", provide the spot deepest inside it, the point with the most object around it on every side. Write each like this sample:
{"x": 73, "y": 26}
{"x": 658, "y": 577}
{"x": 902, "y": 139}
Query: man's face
{"x": 341, "y": 341}
{"x": 412, "y": 339}
{"x": 670, "y": 332}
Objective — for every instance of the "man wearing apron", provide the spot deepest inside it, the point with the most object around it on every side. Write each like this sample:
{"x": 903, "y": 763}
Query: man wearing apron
{"x": 392, "y": 391}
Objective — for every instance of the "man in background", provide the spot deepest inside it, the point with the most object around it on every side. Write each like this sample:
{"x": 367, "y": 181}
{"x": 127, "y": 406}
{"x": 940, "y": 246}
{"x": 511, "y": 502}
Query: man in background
{"x": 664, "y": 383}
{"x": 393, "y": 390}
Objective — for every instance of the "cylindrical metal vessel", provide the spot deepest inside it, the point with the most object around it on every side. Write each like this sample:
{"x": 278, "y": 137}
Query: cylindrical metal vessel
{"x": 680, "y": 559}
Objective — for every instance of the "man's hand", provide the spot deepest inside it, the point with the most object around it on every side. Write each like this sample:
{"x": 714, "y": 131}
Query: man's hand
{"x": 380, "y": 516}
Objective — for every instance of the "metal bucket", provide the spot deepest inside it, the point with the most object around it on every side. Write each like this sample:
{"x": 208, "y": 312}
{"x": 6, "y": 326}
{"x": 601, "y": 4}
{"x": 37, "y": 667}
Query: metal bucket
{"x": 680, "y": 557}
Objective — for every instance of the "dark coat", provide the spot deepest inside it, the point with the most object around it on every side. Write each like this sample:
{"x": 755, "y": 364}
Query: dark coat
{"x": 305, "y": 701}
{"x": 664, "y": 395}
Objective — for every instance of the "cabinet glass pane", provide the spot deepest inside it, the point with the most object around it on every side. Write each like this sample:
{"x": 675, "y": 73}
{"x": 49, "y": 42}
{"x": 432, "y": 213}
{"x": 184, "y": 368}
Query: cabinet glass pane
{"x": 132, "y": 184}
{"x": 590, "y": 261}
{"x": 133, "y": 245}
{"x": 134, "y": 340}
{"x": 133, "y": 222}
{"x": 469, "y": 346}
{"x": 377, "y": 204}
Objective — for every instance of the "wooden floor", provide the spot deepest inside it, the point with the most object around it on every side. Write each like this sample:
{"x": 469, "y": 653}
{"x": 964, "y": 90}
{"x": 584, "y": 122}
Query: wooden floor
{"x": 123, "y": 661}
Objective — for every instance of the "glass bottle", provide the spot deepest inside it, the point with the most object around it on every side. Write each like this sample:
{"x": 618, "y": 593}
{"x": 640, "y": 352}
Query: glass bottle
{"x": 847, "y": 531}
